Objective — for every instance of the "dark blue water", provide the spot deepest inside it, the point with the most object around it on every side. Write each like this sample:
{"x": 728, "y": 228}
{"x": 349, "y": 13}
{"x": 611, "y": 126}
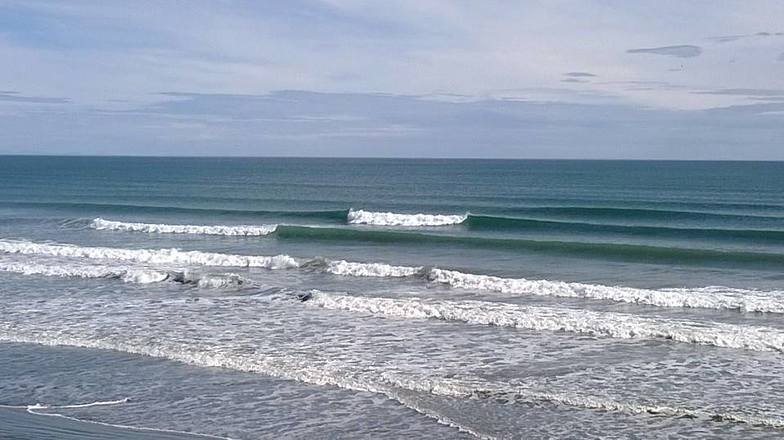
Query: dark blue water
{"x": 575, "y": 293}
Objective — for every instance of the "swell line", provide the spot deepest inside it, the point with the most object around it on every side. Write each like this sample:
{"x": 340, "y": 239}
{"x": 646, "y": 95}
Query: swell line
{"x": 494, "y": 223}
{"x": 470, "y": 221}
{"x": 334, "y": 216}
{"x": 611, "y": 251}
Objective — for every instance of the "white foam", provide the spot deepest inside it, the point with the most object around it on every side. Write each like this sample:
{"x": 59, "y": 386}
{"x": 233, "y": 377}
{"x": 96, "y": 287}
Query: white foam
{"x": 80, "y": 405}
{"x": 127, "y": 274}
{"x": 388, "y": 383}
{"x": 607, "y": 324}
{"x": 149, "y": 256}
{"x": 519, "y": 394}
{"x": 220, "y": 281}
{"x": 395, "y": 219}
{"x": 234, "y": 230}
{"x": 706, "y": 297}
{"x": 348, "y": 268}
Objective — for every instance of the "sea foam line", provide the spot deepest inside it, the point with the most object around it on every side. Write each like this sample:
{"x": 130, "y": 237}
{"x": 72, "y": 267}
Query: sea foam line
{"x": 389, "y": 383}
{"x": 606, "y": 324}
{"x": 284, "y": 367}
{"x": 715, "y": 297}
{"x": 394, "y": 219}
{"x": 149, "y": 256}
{"x": 80, "y": 405}
{"x": 128, "y": 274}
{"x": 236, "y": 230}
{"x": 36, "y": 410}
{"x": 706, "y": 297}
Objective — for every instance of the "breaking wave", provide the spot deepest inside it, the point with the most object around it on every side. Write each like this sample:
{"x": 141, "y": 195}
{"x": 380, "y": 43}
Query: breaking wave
{"x": 720, "y": 298}
{"x": 394, "y": 219}
{"x": 128, "y": 274}
{"x": 238, "y": 230}
{"x": 149, "y": 256}
{"x": 348, "y": 268}
{"x": 705, "y": 297}
{"x": 606, "y": 324}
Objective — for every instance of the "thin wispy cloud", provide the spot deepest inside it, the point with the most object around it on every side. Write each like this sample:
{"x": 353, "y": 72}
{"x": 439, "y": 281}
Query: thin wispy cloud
{"x": 681, "y": 51}
{"x": 580, "y": 75}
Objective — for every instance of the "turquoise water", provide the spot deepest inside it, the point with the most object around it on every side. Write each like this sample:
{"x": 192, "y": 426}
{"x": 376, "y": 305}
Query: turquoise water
{"x": 590, "y": 298}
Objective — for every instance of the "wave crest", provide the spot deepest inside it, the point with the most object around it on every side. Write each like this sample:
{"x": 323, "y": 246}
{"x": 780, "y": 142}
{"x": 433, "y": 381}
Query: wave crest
{"x": 357, "y": 217}
{"x": 706, "y": 297}
{"x": 149, "y": 256}
{"x": 238, "y": 230}
{"x": 348, "y": 268}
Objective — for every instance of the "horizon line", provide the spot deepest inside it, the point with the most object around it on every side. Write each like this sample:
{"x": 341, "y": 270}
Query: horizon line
{"x": 143, "y": 156}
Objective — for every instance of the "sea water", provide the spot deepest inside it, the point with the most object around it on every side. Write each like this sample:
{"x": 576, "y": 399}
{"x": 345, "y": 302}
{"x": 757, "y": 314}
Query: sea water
{"x": 355, "y": 298}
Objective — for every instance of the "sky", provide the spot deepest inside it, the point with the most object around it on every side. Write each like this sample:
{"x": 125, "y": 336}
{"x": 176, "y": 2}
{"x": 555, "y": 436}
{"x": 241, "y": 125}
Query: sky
{"x": 587, "y": 79}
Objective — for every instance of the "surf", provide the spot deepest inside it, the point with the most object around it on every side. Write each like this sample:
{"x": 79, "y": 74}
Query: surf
{"x": 362, "y": 217}
{"x": 236, "y": 230}
{"x": 395, "y": 385}
{"x": 540, "y": 318}
{"x": 157, "y": 260}
{"x": 149, "y": 256}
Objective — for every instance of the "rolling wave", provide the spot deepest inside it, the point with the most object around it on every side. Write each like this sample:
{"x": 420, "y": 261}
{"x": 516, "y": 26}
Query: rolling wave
{"x": 606, "y": 324}
{"x": 333, "y": 216}
{"x": 391, "y": 384}
{"x": 706, "y": 297}
{"x": 149, "y": 256}
{"x": 551, "y": 212}
{"x": 238, "y": 230}
{"x": 394, "y": 219}
{"x": 625, "y": 214}
{"x": 470, "y": 221}
{"x": 126, "y": 274}
{"x": 720, "y": 298}
{"x": 494, "y": 223}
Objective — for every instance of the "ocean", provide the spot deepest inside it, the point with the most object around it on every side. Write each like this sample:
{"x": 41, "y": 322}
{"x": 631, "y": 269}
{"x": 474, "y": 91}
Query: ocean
{"x": 245, "y": 298}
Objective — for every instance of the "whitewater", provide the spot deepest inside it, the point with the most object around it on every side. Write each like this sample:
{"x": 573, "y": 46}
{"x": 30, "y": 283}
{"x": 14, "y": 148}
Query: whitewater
{"x": 710, "y": 297}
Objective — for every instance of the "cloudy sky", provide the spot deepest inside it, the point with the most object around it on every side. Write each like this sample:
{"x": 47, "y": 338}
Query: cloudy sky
{"x": 419, "y": 78}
